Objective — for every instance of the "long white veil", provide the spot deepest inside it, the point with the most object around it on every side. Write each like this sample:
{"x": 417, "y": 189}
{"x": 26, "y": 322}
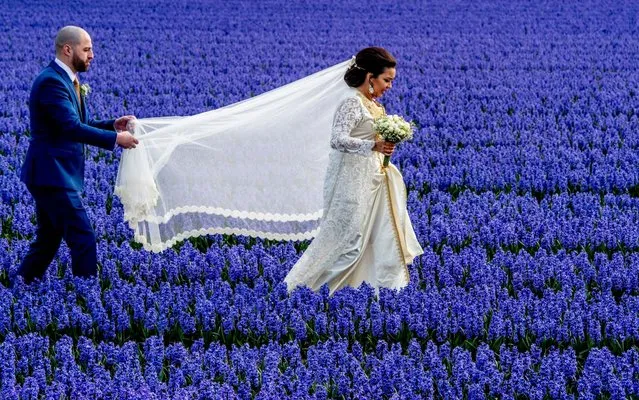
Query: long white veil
{"x": 252, "y": 168}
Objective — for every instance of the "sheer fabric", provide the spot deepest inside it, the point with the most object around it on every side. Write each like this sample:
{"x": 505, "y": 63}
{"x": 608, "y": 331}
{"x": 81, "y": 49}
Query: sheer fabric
{"x": 252, "y": 168}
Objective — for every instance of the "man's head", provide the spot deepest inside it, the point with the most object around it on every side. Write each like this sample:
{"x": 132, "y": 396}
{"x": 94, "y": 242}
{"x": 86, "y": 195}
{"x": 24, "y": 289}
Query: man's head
{"x": 73, "y": 47}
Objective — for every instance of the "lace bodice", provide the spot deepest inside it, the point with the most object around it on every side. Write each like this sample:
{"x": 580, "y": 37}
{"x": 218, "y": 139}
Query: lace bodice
{"x": 349, "y": 116}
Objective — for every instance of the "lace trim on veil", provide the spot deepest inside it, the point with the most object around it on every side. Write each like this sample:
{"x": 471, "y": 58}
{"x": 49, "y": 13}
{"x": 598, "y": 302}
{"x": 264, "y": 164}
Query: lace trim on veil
{"x": 161, "y": 246}
{"x": 138, "y": 217}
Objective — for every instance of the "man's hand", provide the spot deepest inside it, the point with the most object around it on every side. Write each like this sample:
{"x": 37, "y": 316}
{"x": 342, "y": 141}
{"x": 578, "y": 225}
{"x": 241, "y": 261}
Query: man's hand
{"x": 121, "y": 123}
{"x": 126, "y": 140}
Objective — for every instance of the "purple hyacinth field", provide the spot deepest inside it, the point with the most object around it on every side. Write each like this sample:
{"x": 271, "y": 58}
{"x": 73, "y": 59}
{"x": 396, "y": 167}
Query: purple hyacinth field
{"x": 523, "y": 189}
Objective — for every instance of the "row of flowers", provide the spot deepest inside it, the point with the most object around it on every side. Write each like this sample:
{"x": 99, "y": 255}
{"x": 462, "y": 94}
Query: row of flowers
{"x": 236, "y": 295}
{"x": 34, "y": 366}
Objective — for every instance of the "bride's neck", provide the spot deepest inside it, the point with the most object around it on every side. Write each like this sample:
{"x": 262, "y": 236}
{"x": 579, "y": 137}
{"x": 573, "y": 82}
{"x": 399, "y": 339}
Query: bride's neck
{"x": 364, "y": 92}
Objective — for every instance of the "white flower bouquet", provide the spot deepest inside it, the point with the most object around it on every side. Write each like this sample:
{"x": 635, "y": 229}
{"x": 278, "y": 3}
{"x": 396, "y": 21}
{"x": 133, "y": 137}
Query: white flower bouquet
{"x": 393, "y": 128}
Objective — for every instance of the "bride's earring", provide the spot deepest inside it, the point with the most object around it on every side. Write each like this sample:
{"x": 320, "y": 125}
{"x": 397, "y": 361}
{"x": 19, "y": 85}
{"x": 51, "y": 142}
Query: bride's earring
{"x": 370, "y": 88}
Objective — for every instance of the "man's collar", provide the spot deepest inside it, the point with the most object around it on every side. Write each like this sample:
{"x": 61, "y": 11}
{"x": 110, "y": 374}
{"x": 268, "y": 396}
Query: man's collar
{"x": 66, "y": 69}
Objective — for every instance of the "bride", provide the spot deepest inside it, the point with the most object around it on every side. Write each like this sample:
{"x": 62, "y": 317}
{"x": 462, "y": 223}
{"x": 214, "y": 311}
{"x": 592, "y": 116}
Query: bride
{"x": 365, "y": 234}
{"x": 263, "y": 167}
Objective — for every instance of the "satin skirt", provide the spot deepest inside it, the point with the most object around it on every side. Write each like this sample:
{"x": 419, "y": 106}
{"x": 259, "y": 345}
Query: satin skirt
{"x": 365, "y": 235}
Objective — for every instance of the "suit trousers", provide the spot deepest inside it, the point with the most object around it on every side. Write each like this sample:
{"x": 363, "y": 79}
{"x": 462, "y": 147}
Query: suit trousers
{"x": 60, "y": 215}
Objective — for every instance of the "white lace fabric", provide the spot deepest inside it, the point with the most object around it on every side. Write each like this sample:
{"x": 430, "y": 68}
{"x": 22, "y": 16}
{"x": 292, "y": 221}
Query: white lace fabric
{"x": 358, "y": 238}
{"x": 348, "y": 115}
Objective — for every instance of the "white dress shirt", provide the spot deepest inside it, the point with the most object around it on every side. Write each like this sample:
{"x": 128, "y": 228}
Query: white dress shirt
{"x": 66, "y": 69}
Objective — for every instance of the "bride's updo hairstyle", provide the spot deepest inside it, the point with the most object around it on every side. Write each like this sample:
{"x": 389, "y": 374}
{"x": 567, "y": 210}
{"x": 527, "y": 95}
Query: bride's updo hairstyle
{"x": 371, "y": 59}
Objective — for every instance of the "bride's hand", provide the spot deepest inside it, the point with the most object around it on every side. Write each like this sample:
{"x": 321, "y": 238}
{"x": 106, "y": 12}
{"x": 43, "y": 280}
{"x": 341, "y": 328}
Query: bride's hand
{"x": 384, "y": 147}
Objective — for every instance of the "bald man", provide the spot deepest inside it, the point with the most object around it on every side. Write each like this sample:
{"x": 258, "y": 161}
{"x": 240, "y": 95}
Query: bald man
{"x": 54, "y": 167}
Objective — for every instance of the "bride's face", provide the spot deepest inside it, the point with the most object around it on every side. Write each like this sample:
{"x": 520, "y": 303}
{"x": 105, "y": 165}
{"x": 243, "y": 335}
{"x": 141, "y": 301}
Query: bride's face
{"x": 383, "y": 82}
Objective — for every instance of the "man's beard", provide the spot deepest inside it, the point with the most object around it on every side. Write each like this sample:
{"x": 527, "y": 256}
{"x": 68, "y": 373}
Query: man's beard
{"x": 78, "y": 64}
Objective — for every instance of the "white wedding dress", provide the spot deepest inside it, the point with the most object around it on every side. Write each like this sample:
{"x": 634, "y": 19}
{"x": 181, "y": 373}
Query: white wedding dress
{"x": 365, "y": 234}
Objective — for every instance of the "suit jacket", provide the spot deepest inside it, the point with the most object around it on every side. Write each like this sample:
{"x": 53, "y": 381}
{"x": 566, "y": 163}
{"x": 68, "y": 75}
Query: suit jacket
{"x": 60, "y": 127}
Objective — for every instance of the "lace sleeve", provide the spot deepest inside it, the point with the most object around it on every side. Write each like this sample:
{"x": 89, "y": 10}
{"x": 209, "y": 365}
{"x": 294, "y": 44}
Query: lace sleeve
{"x": 348, "y": 115}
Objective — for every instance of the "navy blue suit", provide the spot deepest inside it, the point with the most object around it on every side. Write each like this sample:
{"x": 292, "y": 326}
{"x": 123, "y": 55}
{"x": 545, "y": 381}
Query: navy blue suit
{"x": 54, "y": 172}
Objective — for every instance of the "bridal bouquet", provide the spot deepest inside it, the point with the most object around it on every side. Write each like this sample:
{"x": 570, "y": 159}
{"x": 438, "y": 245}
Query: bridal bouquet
{"x": 393, "y": 128}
